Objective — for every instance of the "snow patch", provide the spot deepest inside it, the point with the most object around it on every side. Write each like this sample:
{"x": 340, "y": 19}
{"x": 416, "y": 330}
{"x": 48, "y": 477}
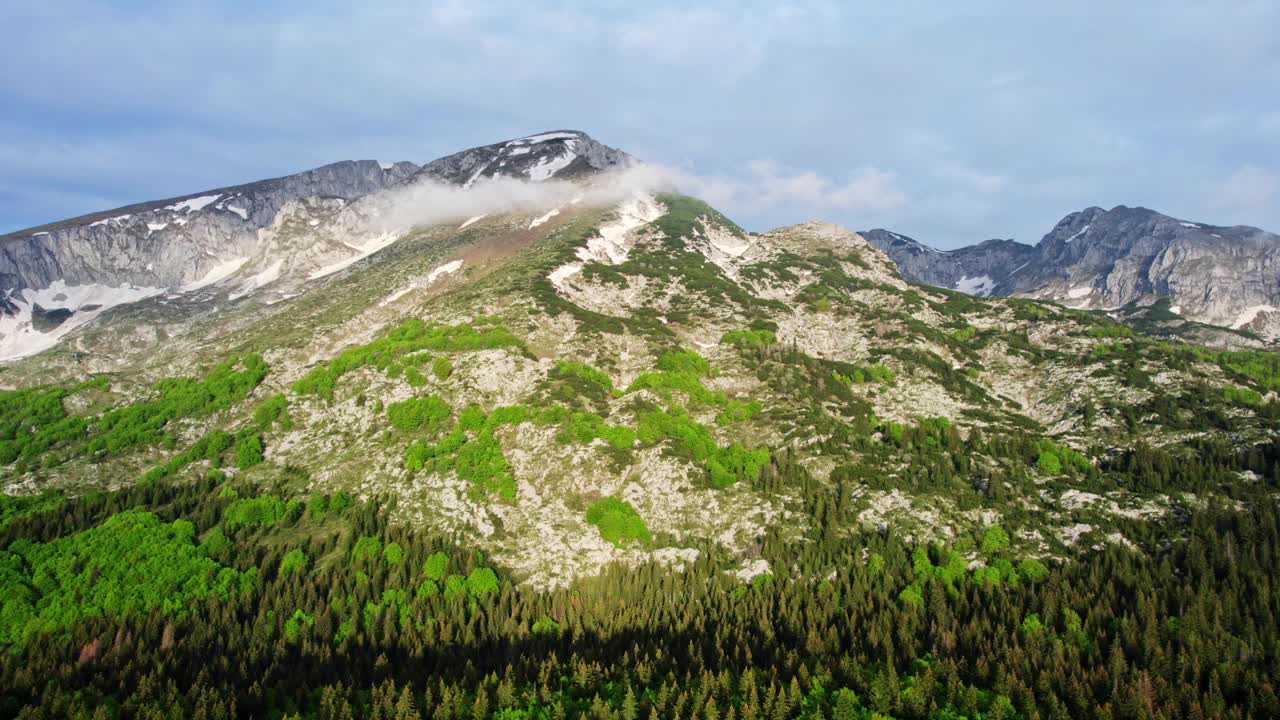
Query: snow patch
{"x": 1248, "y": 315}
{"x": 244, "y": 214}
{"x": 1189, "y": 225}
{"x": 386, "y": 165}
{"x": 523, "y": 150}
{"x": 612, "y": 243}
{"x": 194, "y": 204}
{"x": 538, "y": 221}
{"x": 449, "y": 267}
{"x": 218, "y": 272}
{"x": 475, "y": 175}
{"x": 1175, "y": 309}
{"x": 725, "y": 241}
{"x": 155, "y": 227}
{"x": 547, "y": 167}
{"x": 980, "y": 286}
{"x": 1083, "y": 230}
{"x": 1076, "y": 293}
{"x": 469, "y": 221}
{"x": 43, "y": 232}
{"x": 531, "y": 139}
{"x": 564, "y": 272}
{"x": 18, "y": 336}
{"x": 266, "y": 277}
{"x": 116, "y": 219}
{"x": 362, "y": 251}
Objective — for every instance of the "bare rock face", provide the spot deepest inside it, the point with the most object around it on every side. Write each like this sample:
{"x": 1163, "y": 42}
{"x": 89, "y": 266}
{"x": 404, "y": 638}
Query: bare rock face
{"x": 1107, "y": 259}
{"x": 558, "y": 154}
{"x": 169, "y": 243}
{"x": 975, "y": 269}
{"x": 1111, "y": 258}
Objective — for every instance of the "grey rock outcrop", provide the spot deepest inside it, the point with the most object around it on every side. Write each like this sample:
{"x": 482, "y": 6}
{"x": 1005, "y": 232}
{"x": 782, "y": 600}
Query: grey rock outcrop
{"x": 1106, "y": 259}
{"x": 975, "y": 269}
{"x": 166, "y": 243}
{"x": 561, "y": 154}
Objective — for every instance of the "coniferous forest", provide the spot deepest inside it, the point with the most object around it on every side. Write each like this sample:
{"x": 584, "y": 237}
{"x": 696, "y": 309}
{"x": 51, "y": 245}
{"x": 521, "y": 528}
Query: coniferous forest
{"x": 201, "y": 599}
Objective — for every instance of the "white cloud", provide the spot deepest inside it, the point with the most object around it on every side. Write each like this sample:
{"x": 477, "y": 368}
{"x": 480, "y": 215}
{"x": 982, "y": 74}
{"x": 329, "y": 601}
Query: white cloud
{"x": 971, "y": 179}
{"x": 1249, "y": 190}
{"x": 765, "y": 185}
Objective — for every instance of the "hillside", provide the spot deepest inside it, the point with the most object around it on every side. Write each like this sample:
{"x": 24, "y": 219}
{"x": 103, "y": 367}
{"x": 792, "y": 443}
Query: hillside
{"x": 599, "y": 422}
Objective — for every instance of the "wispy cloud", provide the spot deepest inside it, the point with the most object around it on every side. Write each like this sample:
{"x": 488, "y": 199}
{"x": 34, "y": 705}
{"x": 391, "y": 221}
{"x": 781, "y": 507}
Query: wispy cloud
{"x": 1248, "y": 192}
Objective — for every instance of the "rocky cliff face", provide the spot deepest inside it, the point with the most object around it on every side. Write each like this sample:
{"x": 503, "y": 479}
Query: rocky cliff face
{"x": 1106, "y": 259}
{"x": 975, "y": 269}
{"x": 559, "y": 154}
{"x": 169, "y": 243}
{"x": 1099, "y": 258}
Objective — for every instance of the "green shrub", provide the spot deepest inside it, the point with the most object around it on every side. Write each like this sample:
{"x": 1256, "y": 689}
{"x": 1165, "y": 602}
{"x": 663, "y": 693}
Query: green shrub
{"x": 569, "y": 368}
{"x": 248, "y": 448}
{"x": 481, "y": 463}
{"x": 685, "y": 434}
{"x": 33, "y": 421}
{"x": 274, "y": 409}
{"x": 1032, "y": 570}
{"x": 427, "y": 589}
{"x": 994, "y": 540}
{"x": 684, "y": 361}
{"x": 748, "y": 338}
{"x": 442, "y": 367}
{"x": 481, "y": 582}
{"x": 294, "y": 561}
{"x": 436, "y": 566}
{"x": 296, "y": 623}
{"x": 393, "y": 553}
{"x": 618, "y": 522}
{"x": 1048, "y": 463}
{"x": 427, "y": 413}
{"x": 734, "y": 463}
{"x": 408, "y": 337}
{"x": 1241, "y": 395}
{"x": 413, "y": 376}
{"x": 1031, "y": 624}
{"x": 545, "y": 626}
{"x": 454, "y": 585}
{"x": 367, "y": 547}
{"x": 264, "y": 510}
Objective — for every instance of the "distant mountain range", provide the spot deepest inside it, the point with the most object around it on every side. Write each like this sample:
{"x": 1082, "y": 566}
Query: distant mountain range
{"x": 1109, "y": 259}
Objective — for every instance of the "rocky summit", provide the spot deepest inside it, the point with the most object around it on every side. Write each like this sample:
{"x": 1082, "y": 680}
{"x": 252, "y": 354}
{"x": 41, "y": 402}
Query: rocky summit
{"x": 529, "y": 421}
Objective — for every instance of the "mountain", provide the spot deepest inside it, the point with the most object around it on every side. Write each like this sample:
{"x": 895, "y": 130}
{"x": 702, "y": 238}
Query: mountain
{"x": 555, "y": 154}
{"x": 975, "y": 269}
{"x": 542, "y": 437}
{"x": 280, "y": 232}
{"x": 1110, "y": 259}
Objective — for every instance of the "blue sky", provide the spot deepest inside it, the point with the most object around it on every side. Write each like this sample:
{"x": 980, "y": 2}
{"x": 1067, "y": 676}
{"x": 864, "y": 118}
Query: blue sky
{"x": 950, "y": 122}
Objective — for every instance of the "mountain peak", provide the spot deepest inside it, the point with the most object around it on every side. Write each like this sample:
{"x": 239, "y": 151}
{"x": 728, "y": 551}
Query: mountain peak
{"x": 559, "y": 154}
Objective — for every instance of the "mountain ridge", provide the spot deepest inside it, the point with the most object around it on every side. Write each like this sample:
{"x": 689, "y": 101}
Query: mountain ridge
{"x": 1109, "y": 259}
